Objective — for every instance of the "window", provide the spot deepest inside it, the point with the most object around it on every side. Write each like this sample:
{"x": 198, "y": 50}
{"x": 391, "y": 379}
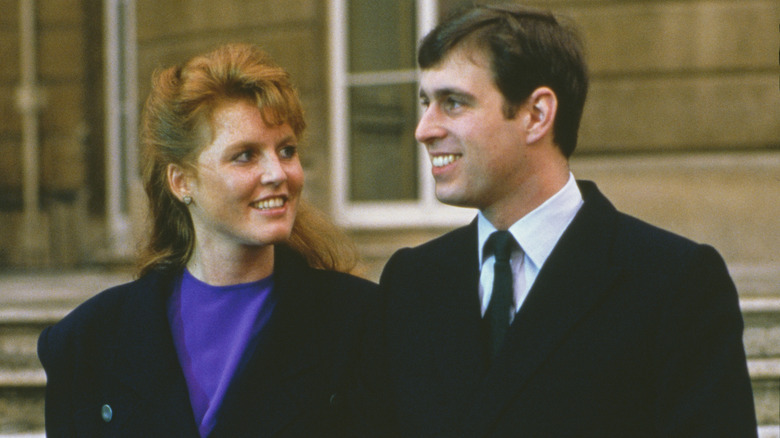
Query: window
{"x": 381, "y": 175}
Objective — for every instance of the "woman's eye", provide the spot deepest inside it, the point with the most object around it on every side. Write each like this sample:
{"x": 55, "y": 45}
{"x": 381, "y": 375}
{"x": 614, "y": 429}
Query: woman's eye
{"x": 243, "y": 157}
{"x": 288, "y": 151}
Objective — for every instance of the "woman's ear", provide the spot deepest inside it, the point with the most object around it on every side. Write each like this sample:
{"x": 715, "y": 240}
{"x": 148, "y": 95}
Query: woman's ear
{"x": 178, "y": 181}
{"x": 542, "y": 107}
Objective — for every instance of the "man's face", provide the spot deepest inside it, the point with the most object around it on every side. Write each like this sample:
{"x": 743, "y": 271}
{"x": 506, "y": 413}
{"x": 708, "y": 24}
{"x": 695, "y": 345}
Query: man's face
{"x": 476, "y": 152}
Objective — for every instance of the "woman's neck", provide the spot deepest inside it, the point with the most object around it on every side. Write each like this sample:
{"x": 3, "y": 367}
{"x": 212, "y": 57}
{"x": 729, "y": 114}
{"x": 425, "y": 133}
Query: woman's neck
{"x": 223, "y": 268}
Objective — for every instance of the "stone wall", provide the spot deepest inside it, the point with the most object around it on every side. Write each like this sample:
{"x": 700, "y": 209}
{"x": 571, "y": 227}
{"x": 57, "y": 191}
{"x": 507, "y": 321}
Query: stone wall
{"x": 69, "y": 130}
{"x": 682, "y": 123}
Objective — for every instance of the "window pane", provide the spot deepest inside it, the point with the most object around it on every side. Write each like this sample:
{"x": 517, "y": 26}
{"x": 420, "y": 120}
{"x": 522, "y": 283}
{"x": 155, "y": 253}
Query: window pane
{"x": 383, "y": 151}
{"x": 381, "y": 35}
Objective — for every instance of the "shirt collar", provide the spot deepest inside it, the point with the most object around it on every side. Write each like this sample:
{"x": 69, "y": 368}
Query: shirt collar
{"x": 539, "y": 231}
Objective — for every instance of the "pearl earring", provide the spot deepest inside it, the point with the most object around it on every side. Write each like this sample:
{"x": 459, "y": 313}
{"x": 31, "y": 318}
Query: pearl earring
{"x": 187, "y": 199}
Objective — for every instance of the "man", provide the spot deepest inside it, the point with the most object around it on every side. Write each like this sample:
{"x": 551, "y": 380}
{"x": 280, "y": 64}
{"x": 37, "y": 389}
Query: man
{"x": 598, "y": 325}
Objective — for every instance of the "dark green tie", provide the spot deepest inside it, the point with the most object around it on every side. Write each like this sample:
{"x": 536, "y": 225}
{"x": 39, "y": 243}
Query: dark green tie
{"x": 497, "y": 314}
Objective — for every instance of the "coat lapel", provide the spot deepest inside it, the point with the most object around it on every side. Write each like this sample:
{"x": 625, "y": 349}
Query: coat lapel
{"x": 457, "y": 325}
{"x": 284, "y": 361}
{"x": 437, "y": 334}
{"x": 147, "y": 361}
{"x": 575, "y": 278}
{"x": 454, "y": 310}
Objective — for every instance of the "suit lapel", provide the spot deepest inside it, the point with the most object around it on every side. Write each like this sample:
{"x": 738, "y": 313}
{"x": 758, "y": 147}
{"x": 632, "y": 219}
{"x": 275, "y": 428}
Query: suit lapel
{"x": 147, "y": 361}
{"x": 575, "y": 278}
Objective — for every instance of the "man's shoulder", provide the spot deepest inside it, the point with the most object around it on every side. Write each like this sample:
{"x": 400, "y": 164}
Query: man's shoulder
{"x": 460, "y": 239}
{"x": 627, "y": 227}
{"x": 640, "y": 231}
{"x": 453, "y": 251}
{"x": 639, "y": 246}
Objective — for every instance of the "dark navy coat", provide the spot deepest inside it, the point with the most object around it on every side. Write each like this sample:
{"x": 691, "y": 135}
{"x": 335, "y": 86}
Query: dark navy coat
{"x": 113, "y": 359}
{"x": 628, "y": 331}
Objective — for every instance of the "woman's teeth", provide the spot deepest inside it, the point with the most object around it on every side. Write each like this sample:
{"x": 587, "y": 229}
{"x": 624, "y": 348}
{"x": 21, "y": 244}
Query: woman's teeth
{"x": 270, "y": 203}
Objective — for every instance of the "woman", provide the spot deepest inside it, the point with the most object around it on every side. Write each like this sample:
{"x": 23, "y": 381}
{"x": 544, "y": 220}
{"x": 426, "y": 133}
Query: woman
{"x": 240, "y": 323}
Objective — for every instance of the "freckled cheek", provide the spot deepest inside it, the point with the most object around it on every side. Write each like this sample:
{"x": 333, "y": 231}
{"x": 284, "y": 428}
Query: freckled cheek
{"x": 295, "y": 179}
{"x": 238, "y": 187}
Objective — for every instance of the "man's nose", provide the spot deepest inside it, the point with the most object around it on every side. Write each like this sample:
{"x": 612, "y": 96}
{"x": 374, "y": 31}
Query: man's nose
{"x": 429, "y": 127}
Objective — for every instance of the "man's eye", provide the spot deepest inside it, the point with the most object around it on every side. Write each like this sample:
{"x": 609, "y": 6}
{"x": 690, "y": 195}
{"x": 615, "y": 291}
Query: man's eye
{"x": 452, "y": 104}
{"x": 425, "y": 103}
{"x": 288, "y": 151}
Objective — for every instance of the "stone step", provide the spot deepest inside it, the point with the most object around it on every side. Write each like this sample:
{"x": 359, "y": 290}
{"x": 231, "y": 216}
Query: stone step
{"x": 762, "y": 345}
{"x": 22, "y": 380}
{"x": 762, "y": 326}
{"x": 29, "y": 302}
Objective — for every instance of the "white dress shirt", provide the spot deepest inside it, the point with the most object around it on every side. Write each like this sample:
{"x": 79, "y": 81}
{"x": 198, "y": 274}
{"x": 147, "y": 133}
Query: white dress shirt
{"x": 537, "y": 233}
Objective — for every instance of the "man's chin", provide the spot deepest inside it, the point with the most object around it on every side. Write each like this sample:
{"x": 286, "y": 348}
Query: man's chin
{"x": 453, "y": 200}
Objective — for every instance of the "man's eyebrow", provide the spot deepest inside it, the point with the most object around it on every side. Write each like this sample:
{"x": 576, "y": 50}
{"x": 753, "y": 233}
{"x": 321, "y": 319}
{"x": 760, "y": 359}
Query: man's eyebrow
{"x": 441, "y": 93}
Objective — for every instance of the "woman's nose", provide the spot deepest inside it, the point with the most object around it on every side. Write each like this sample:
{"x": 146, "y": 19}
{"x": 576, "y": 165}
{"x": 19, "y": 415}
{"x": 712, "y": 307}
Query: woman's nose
{"x": 272, "y": 172}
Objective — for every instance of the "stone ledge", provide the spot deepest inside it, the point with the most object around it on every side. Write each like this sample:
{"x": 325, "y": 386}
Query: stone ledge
{"x": 22, "y": 378}
{"x": 43, "y": 435}
{"x": 760, "y": 305}
{"x": 757, "y": 280}
{"x": 764, "y": 368}
{"x": 770, "y": 431}
{"x": 16, "y": 316}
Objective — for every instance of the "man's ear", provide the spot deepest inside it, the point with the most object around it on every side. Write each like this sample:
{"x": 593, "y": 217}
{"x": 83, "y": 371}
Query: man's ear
{"x": 542, "y": 107}
{"x": 178, "y": 181}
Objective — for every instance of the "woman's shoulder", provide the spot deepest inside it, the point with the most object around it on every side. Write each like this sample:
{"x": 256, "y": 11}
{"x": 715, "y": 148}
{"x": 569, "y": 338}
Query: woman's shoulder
{"x": 344, "y": 279}
{"x": 99, "y": 308}
{"x": 291, "y": 265}
{"x": 345, "y": 290}
{"x": 89, "y": 322}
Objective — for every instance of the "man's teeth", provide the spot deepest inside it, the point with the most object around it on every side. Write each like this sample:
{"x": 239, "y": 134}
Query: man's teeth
{"x": 270, "y": 203}
{"x": 443, "y": 160}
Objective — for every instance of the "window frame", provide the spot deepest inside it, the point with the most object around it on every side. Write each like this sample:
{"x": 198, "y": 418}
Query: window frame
{"x": 426, "y": 211}
{"x": 121, "y": 121}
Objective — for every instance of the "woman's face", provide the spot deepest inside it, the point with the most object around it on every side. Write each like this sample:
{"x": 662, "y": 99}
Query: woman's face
{"x": 247, "y": 181}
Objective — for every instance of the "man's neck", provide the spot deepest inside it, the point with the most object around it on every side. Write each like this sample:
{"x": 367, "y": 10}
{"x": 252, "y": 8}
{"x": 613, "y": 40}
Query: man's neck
{"x": 532, "y": 193}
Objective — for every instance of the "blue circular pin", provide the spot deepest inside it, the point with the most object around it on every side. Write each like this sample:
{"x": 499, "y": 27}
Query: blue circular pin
{"x": 107, "y": 413}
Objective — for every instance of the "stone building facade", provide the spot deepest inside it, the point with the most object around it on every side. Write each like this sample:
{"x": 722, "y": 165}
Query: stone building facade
{"x": 681, "y": 126}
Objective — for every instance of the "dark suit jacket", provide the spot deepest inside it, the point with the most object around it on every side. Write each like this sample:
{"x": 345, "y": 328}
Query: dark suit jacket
{"x": 628, "y": 331}
{"x": 117, "y": 349}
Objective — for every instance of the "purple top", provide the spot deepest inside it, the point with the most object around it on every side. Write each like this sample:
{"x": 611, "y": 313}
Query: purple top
{"x": 212, "y": 327}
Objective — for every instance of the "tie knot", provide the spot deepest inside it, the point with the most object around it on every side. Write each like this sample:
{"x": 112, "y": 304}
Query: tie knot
{"x": 502, "y": 245}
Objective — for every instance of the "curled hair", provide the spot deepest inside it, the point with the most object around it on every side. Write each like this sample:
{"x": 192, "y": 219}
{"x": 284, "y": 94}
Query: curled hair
{"x": 176, "y": 126}
{"x": 527, "y": 49}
